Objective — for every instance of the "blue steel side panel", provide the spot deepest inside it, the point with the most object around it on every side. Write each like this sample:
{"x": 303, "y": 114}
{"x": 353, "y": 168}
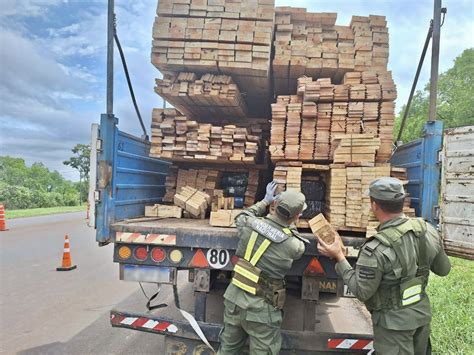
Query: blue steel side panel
{"x": 420, "y": 158}
{"x": 128, "y": 179}
{"x": 410, "y": 156}
{"x": 138, "y": 179}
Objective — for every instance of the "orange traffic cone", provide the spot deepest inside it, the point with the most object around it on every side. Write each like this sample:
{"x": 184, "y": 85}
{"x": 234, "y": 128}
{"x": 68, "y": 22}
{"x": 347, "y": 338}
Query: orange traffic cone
{"x": 67, "y": 262}
{"x": 3, "y": 226}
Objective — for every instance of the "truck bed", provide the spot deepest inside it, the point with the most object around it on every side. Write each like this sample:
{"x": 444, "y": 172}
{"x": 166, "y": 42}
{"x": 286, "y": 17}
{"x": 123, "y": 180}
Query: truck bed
{"x": 198, "y": 232}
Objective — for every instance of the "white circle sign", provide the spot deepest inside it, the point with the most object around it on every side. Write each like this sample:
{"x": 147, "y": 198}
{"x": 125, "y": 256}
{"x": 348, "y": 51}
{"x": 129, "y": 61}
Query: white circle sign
{"x": 218, "y": 258}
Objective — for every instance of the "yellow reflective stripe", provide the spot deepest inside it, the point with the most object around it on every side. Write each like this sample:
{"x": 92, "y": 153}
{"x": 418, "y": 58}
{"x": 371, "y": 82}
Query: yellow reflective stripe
{"x": 411, "y": 291}
{"x": 250, "y": 245}
{"x": 245, "y": 273}
{"x": 411, "y": 300}
{"x": 287, "y": 230}
{"x": 258, "y": 254}
{"x": 244, "y": 287}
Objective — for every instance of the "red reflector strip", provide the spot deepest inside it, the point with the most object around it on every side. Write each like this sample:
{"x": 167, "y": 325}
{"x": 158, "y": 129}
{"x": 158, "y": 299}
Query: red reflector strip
{"x": 143, "y": 323}
{"x": 157, "y": 239}
{"x": 356, "y": 344}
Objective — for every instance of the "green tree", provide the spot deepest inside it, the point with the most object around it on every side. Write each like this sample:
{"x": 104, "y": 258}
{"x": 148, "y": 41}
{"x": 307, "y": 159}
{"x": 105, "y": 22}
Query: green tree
{"x": 455, "y": 104}
{"x": 81, "y": 162}
{"x": 30, "y": 187}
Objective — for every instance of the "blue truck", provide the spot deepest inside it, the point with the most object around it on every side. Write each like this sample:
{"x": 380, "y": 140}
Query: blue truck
{"x": 147, "y": 250}
{"x": 124, "y": 179}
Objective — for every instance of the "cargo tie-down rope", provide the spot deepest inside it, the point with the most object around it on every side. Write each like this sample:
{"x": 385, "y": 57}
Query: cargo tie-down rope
{"x": 129, "y": 82}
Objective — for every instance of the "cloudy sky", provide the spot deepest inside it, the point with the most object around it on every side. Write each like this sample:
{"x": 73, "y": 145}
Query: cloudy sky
{"x": 52, "y": 64}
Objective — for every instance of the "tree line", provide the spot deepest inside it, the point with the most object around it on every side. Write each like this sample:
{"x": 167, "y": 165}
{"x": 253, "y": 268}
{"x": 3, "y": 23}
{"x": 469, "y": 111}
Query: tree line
{"x": 36, "y": 186}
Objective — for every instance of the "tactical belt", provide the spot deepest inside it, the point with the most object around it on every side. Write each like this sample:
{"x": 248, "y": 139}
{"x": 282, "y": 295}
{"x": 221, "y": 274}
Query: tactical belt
{"x": 251, "y": 279}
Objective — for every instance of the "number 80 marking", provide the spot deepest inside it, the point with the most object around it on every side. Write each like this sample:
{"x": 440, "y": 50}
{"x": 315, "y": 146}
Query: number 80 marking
{"x": 218, "y": 258}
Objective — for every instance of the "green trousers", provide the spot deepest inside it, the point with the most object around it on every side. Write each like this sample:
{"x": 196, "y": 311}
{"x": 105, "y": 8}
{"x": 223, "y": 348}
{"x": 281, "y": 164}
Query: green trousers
{"x": 260, "y": 326}
{"x": 401, "y": 342}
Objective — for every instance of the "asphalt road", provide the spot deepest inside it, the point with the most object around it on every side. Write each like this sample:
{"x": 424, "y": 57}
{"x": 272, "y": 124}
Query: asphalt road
{"x": 43, "y": 311}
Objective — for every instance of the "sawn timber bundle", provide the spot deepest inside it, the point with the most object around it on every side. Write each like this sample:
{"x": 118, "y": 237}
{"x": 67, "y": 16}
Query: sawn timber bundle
{"x": 221, "y": 37}
{"x": 209, "y": 96}
{"x": 234, "y": 68}
{"x": 175, "y": 137}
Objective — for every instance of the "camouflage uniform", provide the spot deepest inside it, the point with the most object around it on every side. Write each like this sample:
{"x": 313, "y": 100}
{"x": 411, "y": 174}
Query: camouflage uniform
{"x": 390, "y": 277}
{"x": 251, "y": 316}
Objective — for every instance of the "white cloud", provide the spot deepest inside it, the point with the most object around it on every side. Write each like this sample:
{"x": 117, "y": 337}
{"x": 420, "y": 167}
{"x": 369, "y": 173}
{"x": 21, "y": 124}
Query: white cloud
{"x": 30, "y": 8}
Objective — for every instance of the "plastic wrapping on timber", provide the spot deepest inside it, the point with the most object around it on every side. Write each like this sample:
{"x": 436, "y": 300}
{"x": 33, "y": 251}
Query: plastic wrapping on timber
{"x": 314, "y": 208}
{"x": 313, "y": 190}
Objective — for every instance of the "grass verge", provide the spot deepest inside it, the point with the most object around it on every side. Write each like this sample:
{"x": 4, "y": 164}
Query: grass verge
{"x": 31, "y": 212}
{"x": 452, "y": 300}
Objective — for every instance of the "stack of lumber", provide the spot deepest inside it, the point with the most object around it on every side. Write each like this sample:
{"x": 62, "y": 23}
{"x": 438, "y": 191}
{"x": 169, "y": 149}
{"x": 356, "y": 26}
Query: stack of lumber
{"x": 219, "y": 202}
{"x": 209, "y": 95}
{"x": 200, "y": 179}
{"x": 231, "y": 37}
{"x": 347, "y": 205}
{"x": 224, "y": 218}
{"x": 354, "y": 195}
{"x": 355, "y": 148}
{"x": 252, "y": 187}
{"x": 368, "y": 86}
{"x": 336, "y": 196}
{"x": 207, "y": 180}
{"x": 277, "y": 141}
{"x": 292, "y": 130}
{"x": 308, "y": 131}
{"x": 324, "y": 230}
{"x": 223, "y": 212}
{"x": 170, "y": 183}
{"x": 323, "y": 132}
{"x": 311, "y": 44}
{"x": 370, "y": 42}
{"x": 194, "y": 202}
{"x": 386, "y": 122}
{"x": 163, "y": 211}
{"x": 288, "y": 175}
{"x": 177, "y": 138}
{"x": 304, "y": 126}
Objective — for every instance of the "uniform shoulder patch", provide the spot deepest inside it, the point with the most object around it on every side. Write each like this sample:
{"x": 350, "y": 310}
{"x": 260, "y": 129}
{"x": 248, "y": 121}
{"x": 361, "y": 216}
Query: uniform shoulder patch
{"x": 366, "y": 273}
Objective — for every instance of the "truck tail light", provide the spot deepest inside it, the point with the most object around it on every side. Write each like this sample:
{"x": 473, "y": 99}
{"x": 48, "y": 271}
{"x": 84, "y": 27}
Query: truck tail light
{"x": 124, "y": 252}
{"x": 141, "y": 253}
{"x": 158, "y": 255}
{"x": 176, "y": 256}
{"x": 314, "y": 268}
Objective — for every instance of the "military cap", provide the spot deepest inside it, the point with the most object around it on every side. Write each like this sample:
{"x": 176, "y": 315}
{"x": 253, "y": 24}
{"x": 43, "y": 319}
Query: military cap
{"x": 386, "y": 189}
{"x": 290, "y": 203}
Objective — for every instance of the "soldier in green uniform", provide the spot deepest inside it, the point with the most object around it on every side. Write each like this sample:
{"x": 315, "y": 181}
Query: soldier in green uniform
{"x": 255, "y": 297}
{"x": 391, "y": 273}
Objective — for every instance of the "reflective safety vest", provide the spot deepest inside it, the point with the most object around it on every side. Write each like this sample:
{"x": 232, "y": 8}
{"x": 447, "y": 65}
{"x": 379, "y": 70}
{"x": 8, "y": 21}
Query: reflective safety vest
{"x": 410, "y": 288}
{"x": 248, "y": 277}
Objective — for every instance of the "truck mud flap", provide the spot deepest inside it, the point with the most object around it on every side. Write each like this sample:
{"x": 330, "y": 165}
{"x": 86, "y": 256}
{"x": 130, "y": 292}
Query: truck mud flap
{"x": 301, "y": 341}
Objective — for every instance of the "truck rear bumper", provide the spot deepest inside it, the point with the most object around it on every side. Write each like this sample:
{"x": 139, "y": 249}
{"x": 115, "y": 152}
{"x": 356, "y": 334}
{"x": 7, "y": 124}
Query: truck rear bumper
{"x": 304, "y": 341}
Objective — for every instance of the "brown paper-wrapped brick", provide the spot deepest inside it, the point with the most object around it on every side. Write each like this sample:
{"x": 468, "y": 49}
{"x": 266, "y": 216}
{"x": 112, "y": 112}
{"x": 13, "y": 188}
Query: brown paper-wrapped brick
{"x": 321, "y": 228}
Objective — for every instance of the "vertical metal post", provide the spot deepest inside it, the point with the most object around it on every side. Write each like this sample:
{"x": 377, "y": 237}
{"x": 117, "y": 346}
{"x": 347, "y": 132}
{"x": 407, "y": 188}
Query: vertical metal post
{"x": 110, "y": 58}
{"x": 435, "y": 60}
{"x": 432, "y": 144}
